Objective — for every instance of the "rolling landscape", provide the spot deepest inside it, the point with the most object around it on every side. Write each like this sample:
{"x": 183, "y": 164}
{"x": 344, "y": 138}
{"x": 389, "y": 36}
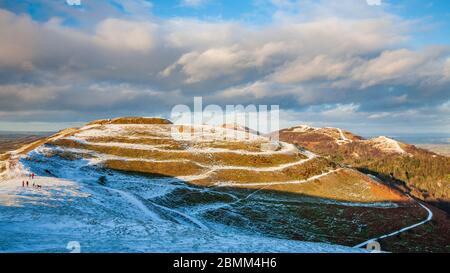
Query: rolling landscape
{"x": 253, "y": 127}
{"x": 131, "y": 179}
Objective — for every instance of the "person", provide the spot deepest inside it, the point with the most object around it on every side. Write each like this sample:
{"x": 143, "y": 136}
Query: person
{"x": 23, "y": 183}
{"x": 34, "y": 186}
{"x": 32, "y": 175}
{"x": 27, "y": 183}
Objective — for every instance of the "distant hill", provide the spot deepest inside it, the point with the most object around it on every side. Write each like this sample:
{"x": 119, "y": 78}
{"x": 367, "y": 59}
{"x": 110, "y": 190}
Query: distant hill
{"x": 13, "y": 140}
{"x": 425, "y": 174}
{"x": 442, "y": 149}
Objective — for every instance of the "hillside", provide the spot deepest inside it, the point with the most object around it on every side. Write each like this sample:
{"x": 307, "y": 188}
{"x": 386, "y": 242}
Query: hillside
{"x": 216, "y": 157}
{"x": 424, "y": 174}
{"x": 228, "y": 188}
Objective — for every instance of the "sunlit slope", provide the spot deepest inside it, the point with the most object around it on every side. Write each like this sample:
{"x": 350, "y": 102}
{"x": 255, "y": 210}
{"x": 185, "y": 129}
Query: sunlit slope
{"x": 424, "y": 173}
{"x": 214, "y": 157}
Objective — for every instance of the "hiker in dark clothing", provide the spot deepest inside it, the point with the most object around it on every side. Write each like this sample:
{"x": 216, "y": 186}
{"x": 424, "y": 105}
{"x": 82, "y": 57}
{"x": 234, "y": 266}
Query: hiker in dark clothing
{"x": 23, "y": 184}
{"x": 27, "y": 183}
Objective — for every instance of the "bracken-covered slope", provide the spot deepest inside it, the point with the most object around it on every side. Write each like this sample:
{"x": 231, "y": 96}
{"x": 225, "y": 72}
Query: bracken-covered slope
{"x": 424, "y": 173}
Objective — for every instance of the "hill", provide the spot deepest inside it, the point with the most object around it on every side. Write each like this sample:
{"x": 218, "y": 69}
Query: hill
{"x": 198, "y": 188}
{"x": 423, "y": 174}
{"x": 216, "y": 157}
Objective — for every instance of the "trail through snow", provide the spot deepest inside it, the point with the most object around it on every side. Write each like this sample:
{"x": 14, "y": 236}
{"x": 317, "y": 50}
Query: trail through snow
{"x": 343, "y": 139}
{"x": 429, "y": 217}
{"x": 136, "y": 202}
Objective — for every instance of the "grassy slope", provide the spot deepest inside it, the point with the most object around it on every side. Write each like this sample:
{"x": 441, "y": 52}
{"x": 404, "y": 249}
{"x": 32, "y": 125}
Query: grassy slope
{"x": 425, "y": 174}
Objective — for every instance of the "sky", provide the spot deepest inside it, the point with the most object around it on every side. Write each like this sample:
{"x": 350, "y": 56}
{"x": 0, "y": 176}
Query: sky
{"x": 375, "y": 67}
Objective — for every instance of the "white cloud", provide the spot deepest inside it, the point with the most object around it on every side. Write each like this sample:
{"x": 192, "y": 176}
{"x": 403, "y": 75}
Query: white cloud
{"x": 73, "y": 2}
{"x": 342, "y": 110}
{"x": 296, "y": 61}
{"x": 321, "y": 67}
{"x": 193, "y": 3}
{"x": 374, "y": 2}
{"x": 122, "y": 34}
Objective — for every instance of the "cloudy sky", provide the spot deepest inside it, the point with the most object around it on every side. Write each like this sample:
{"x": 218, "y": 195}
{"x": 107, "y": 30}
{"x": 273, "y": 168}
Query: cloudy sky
{"x": 373, "y": 69}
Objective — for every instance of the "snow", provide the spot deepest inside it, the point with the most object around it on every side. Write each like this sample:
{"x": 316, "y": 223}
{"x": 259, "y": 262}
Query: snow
{"x": 343, "y": 139}
{"x": 129, "y": 214}
{"x": 310, "y": 179}
{"x": 201, "y": 133}
{"x": 387, "y": 145}
{"x": 285, "y": 148}
{"x": 99, "y": 158}
{"x": 429, "y": 217}
{"x": 12, "y": 193}
{"x": 136, "y": 202}
{"x": 303, "y": 129}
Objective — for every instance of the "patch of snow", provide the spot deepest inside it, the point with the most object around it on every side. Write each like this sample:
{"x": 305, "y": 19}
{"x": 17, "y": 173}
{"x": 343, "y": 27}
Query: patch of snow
{"x": 136, "y": 202}
{"x": 343, "y": 139}
{"x": 386, "y": 144}
{"x": 284, "y": 148}
{"x": 303, "y": 129}
{"x": 271, "y": 146}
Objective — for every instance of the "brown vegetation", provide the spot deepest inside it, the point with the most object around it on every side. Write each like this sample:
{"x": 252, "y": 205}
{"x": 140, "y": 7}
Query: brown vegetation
{"x": 344, "y": 185}
{"x": 225, "y": 158}
{"x": 156, "y": 168}
{"x": 425, "y": 174}
{"x": 131, "y": 120}
{"x": 294, "y": 173}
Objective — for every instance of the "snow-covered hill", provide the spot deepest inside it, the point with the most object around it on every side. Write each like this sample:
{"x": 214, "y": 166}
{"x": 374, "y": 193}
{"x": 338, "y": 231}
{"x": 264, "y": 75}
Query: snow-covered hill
{"x": 130, "y": 213}
{"x": 132, "y": 185}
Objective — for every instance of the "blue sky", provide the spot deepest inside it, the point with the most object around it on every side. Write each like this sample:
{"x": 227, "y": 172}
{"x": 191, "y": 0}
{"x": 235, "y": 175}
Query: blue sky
{"x": 375, "y": 69}
{"x": 435, "y": 14}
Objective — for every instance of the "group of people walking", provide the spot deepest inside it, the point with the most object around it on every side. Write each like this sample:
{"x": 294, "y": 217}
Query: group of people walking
{"x": 26, "y": 183}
